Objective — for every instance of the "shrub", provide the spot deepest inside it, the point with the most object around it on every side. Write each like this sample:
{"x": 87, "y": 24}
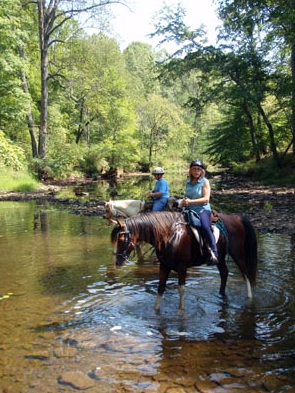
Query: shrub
{"x": 11, "y": 155}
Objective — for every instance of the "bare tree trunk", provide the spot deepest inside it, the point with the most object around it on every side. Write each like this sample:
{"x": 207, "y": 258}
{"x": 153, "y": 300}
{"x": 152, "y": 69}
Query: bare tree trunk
{"x": 30, "y": 119}
{"x": 271, "y": 136}
{"x": 43, "y": 43}
{"x": 80, "y": 128}
{"x": 252, "y": 131}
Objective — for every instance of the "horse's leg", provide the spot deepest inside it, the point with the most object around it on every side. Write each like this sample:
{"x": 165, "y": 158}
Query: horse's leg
{"x": 223, "y": 272}
{"x": 242, "y": 247}
{"x": 240, "y": 258}
{"x": 153, "y": 256}
{"x": 181, "y": 283}
{"x": 163, "y": 276}
{"x": 138, "y": 248}
{"x": 181, "y": 297}
{"x": 249, "y": 288}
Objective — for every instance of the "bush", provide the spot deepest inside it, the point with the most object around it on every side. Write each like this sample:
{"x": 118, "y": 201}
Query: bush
{"x": 92, "y": 162}
{"x": 11, "y": 155}
{"x": 267, "y": 171}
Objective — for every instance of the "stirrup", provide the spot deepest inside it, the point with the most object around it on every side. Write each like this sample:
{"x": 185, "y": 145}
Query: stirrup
{"x": 211, "y": 259}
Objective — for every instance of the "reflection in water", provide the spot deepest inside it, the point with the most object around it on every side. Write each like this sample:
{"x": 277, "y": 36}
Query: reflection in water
{"x": 70, "y": 312}
{"x": 40, "y": 221}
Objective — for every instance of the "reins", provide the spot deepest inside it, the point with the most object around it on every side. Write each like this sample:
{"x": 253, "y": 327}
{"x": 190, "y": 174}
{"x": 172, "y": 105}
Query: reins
{"x": 127, "y": 242}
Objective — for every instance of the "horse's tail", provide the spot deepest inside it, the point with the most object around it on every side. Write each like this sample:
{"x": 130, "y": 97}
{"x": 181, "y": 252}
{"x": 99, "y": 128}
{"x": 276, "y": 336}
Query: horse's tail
{"x": 250, "y": 251}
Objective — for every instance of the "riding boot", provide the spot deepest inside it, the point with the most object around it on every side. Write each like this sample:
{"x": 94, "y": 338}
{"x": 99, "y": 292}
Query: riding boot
{"x": 211, "y": 258}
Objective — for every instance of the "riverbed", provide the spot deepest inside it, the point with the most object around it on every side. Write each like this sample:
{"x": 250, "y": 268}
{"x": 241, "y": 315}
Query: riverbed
{"x": 72, "y": 321}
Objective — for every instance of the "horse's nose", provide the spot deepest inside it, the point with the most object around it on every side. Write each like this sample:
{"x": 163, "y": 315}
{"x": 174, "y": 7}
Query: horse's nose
{"x": 120, "y": 260}
{"x": 120, "y": 263}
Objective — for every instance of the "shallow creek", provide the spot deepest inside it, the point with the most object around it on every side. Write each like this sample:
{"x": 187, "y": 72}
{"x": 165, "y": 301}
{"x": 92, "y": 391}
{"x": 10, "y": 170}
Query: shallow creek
{"x": 70, "y": 321}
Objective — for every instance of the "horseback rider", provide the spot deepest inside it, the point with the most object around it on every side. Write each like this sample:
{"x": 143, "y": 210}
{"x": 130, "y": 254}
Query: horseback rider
{"x": 197, "y": 198}
{"x": 160, "y": 193}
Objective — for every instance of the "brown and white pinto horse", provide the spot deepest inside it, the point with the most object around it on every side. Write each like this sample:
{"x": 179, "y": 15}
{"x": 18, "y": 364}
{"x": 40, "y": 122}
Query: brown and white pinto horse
{"x": 178, "y": 248}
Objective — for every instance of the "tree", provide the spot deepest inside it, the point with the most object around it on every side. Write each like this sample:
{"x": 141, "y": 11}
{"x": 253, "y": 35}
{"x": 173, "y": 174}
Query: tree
{"x": 14, "y": 102}
{"x": 273, "y": 22}
{"x": 93, "y": 85}
{"x": 242, "y": 60}
{"x": 140, "y": 63}
{"x": 162, "y": 129}
{"x": 52, "y": 15}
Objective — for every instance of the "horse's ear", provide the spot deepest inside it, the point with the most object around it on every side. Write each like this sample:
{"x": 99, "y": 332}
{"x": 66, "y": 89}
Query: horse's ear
{"x": 114, "y": 222}
{"x": 121, "y": 224}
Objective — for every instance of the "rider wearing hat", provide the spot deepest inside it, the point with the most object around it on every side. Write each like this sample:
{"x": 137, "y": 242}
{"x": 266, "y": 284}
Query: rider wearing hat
{"x": 197, "y": 197}
{"x": 160, "y": 193}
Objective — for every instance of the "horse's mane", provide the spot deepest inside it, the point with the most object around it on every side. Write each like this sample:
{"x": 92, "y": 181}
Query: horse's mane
{"x": 154, "y": 228}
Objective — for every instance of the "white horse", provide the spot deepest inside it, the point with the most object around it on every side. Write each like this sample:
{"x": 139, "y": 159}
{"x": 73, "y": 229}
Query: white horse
{"x": 130, "y": 207}
{"x": 125, "y": 208}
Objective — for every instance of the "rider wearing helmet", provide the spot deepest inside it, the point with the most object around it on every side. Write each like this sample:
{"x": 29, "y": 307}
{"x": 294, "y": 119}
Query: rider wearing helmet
{"x": 160, "y": 193}
{"x": 197, "y": 198}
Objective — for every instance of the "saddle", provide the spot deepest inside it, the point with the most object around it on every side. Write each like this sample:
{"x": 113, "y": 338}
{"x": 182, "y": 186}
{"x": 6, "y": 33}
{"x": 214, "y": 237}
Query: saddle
{"x": 192, "y": 218}
{"x": 214, "y": 216}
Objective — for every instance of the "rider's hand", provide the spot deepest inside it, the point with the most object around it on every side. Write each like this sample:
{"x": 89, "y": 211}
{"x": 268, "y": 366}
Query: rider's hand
{"x": 184, "y": 202}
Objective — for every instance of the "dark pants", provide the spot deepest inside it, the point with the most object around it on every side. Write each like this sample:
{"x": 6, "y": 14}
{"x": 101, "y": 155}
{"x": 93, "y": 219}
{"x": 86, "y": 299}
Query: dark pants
{"x": 205, "y": 218}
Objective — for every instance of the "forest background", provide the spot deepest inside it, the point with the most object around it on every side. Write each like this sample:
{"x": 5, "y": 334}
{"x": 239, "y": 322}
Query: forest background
{"x": 74, "y": 104}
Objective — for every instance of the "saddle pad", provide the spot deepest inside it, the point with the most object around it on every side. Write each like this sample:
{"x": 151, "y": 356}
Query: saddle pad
{"x": 216, "y": 233}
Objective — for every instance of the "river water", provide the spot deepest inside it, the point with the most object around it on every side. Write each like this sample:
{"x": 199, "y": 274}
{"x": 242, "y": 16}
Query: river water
{"x": 70, "y": 321}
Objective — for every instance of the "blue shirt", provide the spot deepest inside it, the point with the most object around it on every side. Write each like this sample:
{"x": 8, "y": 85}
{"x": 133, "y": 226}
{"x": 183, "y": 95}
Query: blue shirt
{"x": 163, "y": 187}
{"x": 195, "y": 191}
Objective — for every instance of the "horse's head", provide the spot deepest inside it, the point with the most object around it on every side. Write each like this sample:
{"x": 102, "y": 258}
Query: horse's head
{"x": 123, "y": 244}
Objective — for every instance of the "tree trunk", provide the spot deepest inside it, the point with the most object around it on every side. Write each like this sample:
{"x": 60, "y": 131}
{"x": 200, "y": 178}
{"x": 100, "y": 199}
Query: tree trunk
{"x": 252, "y": 131}
{"x": 80, "y": 127}
{"x": 271, "y": 136}
{"x": 30, "y": 119}
{"x": 43, "y": 43}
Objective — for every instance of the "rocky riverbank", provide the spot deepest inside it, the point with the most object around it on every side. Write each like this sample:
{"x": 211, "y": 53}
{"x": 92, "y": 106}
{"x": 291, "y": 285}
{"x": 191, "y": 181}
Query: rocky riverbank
{"x": 271, "y": 209}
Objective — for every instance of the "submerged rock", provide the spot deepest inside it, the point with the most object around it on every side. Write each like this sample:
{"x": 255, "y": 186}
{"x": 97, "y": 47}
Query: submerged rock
{"x": 77, "y": 380}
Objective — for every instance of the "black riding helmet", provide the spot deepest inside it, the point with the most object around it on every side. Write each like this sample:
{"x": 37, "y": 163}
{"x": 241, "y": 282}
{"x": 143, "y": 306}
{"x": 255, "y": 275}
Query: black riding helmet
{"x": 197, "y": 162}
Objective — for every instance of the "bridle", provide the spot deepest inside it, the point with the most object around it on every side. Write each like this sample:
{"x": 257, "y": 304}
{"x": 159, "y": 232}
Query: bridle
{"x": 128, "y": 243}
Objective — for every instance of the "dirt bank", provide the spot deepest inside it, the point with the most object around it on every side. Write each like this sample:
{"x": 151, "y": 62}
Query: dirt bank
{"x": 271, "y": 209}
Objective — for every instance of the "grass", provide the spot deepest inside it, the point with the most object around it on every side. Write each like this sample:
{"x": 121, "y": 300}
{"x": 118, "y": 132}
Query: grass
{"x": 17, "y": 181}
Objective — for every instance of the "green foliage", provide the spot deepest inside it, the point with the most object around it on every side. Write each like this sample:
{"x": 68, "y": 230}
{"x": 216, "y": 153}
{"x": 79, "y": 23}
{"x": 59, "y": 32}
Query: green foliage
{"x": 267, "y": 171}
{"x": 11, "y": 180}
{"x": 13, "y": 103}
{"x": 229, "y": 140}
{"x": 162, "y": 128}
{"x": 226, "y": 104}
{"x": 92, "y": 162}
{"x": 62, "y": 162}
{"x": 11, "y": 155}
{"x": 140, "y": 63}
